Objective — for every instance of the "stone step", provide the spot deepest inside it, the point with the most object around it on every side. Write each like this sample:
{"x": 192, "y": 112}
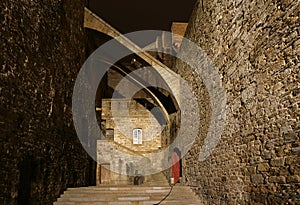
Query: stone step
{"x": 124, "y": 188}
{"x": 99, "y": 195}
{"x": 166, "y": 202}
{"x": 125, "y": 197}
{"x": 103, "y": 188}
{"x": 94, "y": 191}
{"x": 127, "y": 194}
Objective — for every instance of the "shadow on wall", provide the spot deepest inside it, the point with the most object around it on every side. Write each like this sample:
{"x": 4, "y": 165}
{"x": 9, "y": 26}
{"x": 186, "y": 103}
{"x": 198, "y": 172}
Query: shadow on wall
{"x": 30, "y": 176}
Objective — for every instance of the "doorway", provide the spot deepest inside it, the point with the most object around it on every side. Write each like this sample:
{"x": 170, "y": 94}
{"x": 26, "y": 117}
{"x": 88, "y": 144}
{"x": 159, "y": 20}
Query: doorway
{"x": 176, "y": 168}
{"x": 104, "y": 173}
{"x": 27, "y": 176}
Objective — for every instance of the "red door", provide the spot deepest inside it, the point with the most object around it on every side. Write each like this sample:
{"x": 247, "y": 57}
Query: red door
{"x": 175, "y": 167}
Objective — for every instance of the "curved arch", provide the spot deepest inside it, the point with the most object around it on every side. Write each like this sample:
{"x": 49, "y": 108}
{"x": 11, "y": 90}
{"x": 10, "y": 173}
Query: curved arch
{"x": 92, "y": 21}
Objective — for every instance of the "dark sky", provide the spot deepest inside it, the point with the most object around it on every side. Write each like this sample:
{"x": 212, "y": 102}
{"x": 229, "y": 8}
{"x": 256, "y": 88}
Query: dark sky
{"x": 133, "y": 15}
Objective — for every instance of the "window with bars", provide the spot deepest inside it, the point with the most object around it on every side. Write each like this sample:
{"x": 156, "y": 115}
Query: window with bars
{"x": 137, "y": 136}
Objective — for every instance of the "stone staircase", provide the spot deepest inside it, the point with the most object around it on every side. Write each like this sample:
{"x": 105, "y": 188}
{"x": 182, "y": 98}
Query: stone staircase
{"x": 127, "y": 195}
{"x": 154, "y": 189}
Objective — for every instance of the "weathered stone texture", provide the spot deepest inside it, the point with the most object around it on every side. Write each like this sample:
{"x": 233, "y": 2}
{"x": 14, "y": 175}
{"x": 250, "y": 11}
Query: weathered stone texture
{"x": 42, "y": 49}
{"x": 255, "y": 46}
{"x": 124, "y": 115}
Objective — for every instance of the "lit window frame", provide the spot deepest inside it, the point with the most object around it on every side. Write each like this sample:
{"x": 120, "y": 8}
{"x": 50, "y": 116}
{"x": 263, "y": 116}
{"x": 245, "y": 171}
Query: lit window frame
{"x": 137, "y": 136}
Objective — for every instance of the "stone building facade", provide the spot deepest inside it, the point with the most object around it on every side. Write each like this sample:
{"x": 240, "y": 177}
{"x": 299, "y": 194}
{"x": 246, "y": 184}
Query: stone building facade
{"x": 120, "y": 118}
{"x": 129, "y": 115}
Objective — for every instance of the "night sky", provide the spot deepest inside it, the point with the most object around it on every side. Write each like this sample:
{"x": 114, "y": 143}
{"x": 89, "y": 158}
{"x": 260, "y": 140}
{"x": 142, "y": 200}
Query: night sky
{"x": 133, "y": 15}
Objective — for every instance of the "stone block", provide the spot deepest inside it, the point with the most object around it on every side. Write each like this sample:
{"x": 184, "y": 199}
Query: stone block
{"x": 256, "y": 160}
{"x": 296, "y": 150}
{"x": 293, "y": 179}
{"x": 266, "y": 154}
{"x": 290, "y": 137}
{"x": 277, "y": 162}
{"x": 292, "y": 160}
{"x": 257, "y": 179}
{"x": 252, "y": 169}
{"x": 277, "y": 179}
{"x": 264, "y": 167}
{"x": 295, "y": 169}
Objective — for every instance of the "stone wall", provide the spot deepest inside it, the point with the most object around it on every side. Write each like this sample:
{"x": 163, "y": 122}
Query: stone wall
{"x": 42, "y": 49}
{"x": 121, "y": 163}
{"x": 255, "y": 46}
{"x": 128, "y": 115}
